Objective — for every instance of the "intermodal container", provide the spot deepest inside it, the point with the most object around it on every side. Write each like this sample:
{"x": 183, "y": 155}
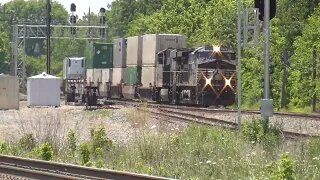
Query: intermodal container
{"x": 154, "y": 43}
{"x": 117, "y": 76}
{"x": 148, "y": 76}
{"x": 120, "y": 53}
{"x": 132, "y": 75}
{"x": 134, "y": 51}
{"x": 102, "y": 55}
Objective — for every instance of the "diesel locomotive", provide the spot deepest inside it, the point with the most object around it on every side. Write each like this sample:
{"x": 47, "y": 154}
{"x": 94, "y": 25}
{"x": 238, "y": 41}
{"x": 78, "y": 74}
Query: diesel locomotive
{"x": 204, "y": 76}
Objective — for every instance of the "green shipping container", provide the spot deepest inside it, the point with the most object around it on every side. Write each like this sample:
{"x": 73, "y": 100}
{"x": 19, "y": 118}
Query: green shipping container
{"x": 102, "y": 55}
{"x": 132, "y": 75}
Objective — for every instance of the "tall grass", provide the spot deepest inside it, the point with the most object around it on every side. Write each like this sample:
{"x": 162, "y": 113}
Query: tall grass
{"x": 198, "y": 152}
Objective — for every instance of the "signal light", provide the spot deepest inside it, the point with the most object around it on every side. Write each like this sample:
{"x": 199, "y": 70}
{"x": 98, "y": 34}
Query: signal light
{"x": 73, "y": 7}
{"x": 102, "y": 20}
{"x": 259, "y": 4}
{"x": 102, "y": 10}
{"x": 102, "y": 32}
{"x": 73, "y": 19}
{"x": 73, "y": 30}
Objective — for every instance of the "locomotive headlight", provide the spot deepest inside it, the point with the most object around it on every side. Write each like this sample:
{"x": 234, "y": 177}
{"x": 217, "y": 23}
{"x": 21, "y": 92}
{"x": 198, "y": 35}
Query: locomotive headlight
{"x": 208, "y": 81}
{"x": 227, "y": 82}
{"x": 216, "y": 48}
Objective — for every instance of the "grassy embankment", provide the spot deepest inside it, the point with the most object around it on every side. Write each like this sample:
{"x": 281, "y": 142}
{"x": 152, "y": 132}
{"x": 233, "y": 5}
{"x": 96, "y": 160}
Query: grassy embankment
{"x": 197, "y": 152}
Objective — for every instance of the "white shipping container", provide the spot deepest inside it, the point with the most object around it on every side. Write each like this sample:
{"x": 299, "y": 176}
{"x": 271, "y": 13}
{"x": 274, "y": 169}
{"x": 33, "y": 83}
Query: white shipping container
{"x": 9, "y": 92}
{"x": 148, "y": 76}
{"x": 134, "y": 51}
{"x": 74, "y": 68}
{"x": 105, "y": 75}
{"x": 117, "y": 76}
{"x": 154, "y": 43}
{"x": 89, "y": 75}
{"x": 97, "y": 76}
{"x": 43, "y": 90}
{"x": 120, "y": 52}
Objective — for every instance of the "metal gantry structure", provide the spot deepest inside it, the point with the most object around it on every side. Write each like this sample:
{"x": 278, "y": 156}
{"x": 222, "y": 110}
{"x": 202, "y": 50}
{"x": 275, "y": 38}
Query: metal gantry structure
{"x": 22, "y": 32}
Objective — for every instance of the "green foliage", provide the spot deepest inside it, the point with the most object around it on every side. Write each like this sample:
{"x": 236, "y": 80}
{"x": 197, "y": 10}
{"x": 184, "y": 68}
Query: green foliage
{"x": 283, "y": 170}
{"x": 72, "y": 142}
{"x": 27, "y": 142}
{"x": 4, "y": 147}
{"x": 46, "y": 152}
{"x": 85, "y": 153}
{"x": 100, "y": 141}
{"x": 313, "y": 148}
{"x": 258, "y": 131}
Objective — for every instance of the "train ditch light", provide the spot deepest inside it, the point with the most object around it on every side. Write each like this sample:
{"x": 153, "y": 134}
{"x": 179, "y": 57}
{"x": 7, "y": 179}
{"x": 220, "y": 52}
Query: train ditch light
{"x": 228, "y": 82}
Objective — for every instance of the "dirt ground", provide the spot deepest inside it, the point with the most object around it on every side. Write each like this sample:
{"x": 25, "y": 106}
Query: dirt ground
{"x": 122, "y": 123}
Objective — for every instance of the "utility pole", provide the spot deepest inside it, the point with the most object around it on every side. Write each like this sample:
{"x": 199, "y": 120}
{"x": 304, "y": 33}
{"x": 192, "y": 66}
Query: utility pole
{"x": 239, "y": 65}
{"x": 48, "y": 34}
{"x": 314, "y": 78}
{"x": 267, "y": 103}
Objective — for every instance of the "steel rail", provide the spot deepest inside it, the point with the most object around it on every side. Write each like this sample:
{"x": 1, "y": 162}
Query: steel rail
{"x": 213, "y": 121}
{"x": 153, "y": 104}
{"x": 39, "y": 169}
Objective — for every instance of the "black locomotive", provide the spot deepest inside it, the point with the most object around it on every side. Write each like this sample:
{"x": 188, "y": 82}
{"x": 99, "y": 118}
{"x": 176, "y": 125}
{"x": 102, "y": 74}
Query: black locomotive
{"x": 204, "y": 76}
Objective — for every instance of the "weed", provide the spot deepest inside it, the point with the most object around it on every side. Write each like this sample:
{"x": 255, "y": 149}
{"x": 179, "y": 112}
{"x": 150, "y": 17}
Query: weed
{"x": 72, "y": 142}
{"x": 283, "y": 170}
{"x": 46, "y": 152}
{"x": 100, "y": 141}
{"x": 256, "y": 131}
{"x": 4, "y": 147}
{"x": 85, "y": 153}
{"x": 27, "y": 142}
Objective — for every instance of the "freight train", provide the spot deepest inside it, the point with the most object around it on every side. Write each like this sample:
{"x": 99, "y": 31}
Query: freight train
{"x": 158, "y": 67}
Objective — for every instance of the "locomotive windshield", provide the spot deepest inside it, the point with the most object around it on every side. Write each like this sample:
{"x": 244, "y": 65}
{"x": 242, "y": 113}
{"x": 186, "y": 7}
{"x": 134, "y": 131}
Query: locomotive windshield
{"x": 210, "y": 55}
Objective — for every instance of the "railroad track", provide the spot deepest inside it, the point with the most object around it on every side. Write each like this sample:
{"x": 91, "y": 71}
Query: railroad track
{"x": 217, "y": 110}
{"x": 190, "y": 116}
{"x": 37, "y": 169}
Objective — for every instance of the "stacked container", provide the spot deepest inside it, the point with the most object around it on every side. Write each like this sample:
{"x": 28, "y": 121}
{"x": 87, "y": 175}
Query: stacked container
{"x": 152, "y": 44}
{"x": 100, "y": 66}
{"x": 119, "y": 64}
{"x": 132, "y": 73}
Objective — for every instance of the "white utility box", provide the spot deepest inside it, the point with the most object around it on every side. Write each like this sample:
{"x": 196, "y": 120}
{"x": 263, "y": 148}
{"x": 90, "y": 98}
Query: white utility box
{"x": 43, "y": 90}
{"x": 74, "y": 68}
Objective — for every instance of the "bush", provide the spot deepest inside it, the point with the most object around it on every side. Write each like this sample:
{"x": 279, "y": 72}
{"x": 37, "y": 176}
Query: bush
{"x": 283, "y": 170}
{"x": 100, "y": 141}
{"x": 257, "y": 131}
{"x": 46, "y": 152}
{"x": 27, "y": 142}
{"x": 85, "y": 153}
{"x": 72, "y": 142}
{"x": 4, "y": 148}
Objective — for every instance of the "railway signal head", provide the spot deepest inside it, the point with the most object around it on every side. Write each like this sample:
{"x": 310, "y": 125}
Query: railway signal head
{"x": 259, "y": 4}
{"x": 73, "y": 7}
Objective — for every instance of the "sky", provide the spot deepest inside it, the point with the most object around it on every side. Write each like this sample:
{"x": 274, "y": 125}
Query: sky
{"x": 82, "y": 6}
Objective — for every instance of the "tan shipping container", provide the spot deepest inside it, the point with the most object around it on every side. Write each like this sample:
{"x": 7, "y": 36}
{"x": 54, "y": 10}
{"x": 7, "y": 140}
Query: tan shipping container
{"x": 153, "y": 43}
{"x": 117, "y": 76}
{"x": 148, "y": 76}
{"x": 134, "y": 51}
{"x": 9, "y": 92}
{"x": 120, "y": 52}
